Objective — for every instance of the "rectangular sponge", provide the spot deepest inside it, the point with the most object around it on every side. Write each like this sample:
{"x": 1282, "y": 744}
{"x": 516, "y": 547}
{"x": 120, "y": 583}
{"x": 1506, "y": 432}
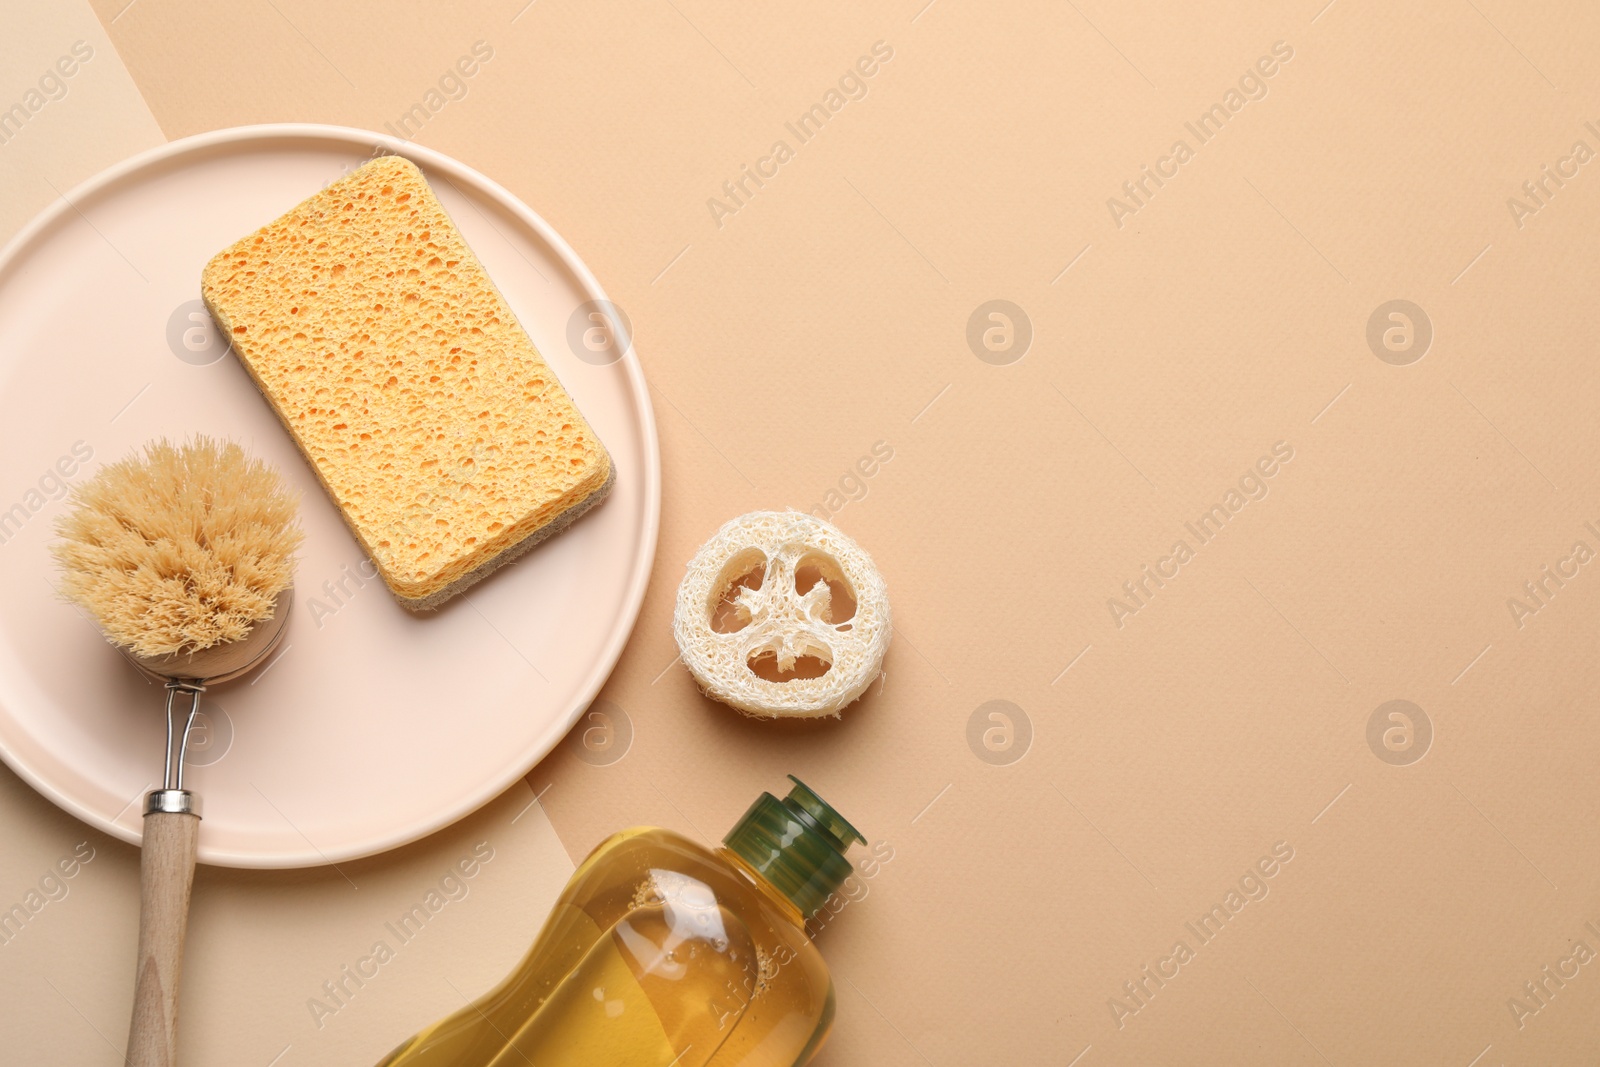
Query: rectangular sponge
{"x": 432, "y": 421}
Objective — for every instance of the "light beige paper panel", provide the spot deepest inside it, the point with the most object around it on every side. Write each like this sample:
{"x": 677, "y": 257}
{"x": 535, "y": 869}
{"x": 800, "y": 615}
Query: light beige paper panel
{"x": 67, "y": 106}
{"x": 330, "y": 965}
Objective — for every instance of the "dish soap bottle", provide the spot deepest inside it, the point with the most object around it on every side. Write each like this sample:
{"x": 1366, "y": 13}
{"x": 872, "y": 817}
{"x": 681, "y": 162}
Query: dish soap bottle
{"x": 662, "y": 953}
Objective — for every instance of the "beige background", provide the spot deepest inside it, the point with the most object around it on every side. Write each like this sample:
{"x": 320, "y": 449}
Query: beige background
{"x": 1165, "y": 757}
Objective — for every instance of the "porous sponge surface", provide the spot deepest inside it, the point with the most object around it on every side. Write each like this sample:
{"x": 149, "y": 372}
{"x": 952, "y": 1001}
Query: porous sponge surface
{"x": 402, "y": 374}
{"x": 777, "y": 621}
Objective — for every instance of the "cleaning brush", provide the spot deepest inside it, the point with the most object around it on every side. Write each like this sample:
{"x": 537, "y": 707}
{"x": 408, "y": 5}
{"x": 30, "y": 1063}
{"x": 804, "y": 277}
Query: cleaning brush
{"x": 184, "y": 557}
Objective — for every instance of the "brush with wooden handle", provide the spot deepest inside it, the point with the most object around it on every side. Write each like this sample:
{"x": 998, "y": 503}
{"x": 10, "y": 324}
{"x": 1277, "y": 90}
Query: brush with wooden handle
{"x": 184, "y": 557}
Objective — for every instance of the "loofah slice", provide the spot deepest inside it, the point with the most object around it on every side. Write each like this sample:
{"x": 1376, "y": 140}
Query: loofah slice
{"x": 782, "y": 616}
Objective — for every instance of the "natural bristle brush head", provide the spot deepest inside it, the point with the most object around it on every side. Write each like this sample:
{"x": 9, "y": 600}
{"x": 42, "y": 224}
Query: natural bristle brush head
{"x": 179, "y": 552}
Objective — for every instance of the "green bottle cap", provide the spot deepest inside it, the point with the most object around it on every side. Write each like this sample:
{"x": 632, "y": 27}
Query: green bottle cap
{"x": 797, "y": 843}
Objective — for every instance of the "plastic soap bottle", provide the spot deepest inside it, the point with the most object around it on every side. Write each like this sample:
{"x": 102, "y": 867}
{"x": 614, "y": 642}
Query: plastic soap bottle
{"x": 662, "y": 953}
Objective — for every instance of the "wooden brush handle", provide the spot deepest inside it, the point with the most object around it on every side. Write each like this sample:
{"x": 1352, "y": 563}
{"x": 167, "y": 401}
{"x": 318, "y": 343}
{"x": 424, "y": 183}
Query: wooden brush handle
{"x": 166, "y": 873}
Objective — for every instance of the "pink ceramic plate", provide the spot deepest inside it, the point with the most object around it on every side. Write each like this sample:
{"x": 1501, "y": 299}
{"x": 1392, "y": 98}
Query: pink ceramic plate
{"x": 373, "y": 727}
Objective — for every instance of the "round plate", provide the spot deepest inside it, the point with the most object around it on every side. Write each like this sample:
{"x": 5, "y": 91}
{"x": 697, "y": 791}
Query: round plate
{"x": 372, "y": 726}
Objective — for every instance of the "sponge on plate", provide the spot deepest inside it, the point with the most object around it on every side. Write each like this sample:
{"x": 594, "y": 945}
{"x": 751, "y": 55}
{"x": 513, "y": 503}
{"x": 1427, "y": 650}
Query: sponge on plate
{"x": 401, "y": 373}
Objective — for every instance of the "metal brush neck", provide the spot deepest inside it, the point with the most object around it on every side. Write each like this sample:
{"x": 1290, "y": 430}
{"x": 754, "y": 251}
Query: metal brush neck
{"x": 178, "y": 736}
{"x": 174, "y": 797}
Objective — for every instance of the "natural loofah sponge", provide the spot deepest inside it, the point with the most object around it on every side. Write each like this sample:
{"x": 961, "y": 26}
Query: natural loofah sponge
{"x": 180, "y": 549}
{"x": 404, "y": 377}
{"x": 781, "y": 615}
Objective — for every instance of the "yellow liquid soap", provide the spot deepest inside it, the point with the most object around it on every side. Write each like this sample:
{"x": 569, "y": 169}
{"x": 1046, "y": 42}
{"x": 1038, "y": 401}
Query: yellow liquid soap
{"x": 663, "y": 953}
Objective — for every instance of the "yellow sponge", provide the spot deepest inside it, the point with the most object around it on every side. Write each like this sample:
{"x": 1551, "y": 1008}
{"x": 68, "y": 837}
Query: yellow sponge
{"x": 395, "y": 363}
